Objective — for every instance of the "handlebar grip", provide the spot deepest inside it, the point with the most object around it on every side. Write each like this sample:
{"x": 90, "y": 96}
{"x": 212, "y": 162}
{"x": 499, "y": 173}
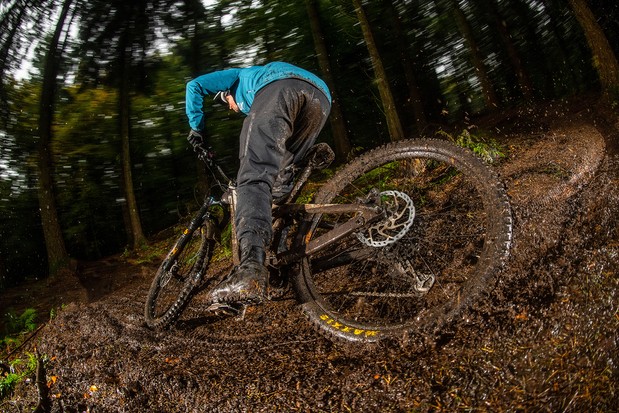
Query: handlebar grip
{"x": 205, "y": 154}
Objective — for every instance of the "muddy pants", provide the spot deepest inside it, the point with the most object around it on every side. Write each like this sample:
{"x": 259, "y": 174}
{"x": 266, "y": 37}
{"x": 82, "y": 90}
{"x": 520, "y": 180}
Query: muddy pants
{"x": 283, "y": 124}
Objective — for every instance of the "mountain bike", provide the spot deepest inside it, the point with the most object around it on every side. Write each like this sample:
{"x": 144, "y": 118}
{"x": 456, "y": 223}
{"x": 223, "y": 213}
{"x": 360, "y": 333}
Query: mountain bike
{"x": 401, "y": 239}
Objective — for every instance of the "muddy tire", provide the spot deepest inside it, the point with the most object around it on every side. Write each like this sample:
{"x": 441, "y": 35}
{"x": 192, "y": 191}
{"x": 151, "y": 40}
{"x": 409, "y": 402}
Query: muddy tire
{"x": 444, "y": 237}
{"x": 178, "y": 278}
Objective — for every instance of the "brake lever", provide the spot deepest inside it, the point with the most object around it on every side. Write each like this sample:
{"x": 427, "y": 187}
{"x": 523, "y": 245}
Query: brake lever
{"x": 206, "y": 155}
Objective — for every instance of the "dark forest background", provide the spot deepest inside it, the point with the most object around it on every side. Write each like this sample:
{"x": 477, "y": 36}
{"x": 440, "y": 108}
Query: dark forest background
{"x": 93, "y": 156}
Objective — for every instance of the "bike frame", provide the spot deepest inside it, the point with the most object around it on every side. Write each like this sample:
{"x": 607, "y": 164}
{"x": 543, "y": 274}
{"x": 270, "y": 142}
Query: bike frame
{"x": 362, "y": 214}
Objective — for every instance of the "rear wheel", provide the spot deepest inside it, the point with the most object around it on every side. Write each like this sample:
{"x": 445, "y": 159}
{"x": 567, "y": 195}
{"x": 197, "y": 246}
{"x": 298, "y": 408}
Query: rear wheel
{"x": 179, "y": 276}
{"x": 444, "y": 235}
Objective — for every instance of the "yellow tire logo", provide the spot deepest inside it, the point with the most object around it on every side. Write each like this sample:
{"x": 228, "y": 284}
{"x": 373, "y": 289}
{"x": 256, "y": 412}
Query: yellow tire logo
{"x": 346, "y": 329}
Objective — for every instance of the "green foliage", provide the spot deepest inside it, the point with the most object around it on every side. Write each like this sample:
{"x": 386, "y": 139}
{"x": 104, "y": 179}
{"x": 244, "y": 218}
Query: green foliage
{"x": 8, "y": 381}
{"x": 224, "y": 248}
{"x": 18, "y": 370}
{"x": 26, "y": 322}
{"x": 146, "y": 254}
{"x": 486, "y": 148}
{"x": 15, "y": 328}
{"x": 86, "y": 147}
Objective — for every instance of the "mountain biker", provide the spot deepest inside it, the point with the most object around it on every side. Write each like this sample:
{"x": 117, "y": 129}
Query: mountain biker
{"x": 286, "y": 108}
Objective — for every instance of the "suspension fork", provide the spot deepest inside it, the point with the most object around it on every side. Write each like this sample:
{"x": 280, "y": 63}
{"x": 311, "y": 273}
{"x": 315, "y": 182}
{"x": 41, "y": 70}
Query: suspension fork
{"x": 195, "y": 223}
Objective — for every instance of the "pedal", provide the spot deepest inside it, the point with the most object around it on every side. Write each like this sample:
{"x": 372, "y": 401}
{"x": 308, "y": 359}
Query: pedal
{"x": 231, "y": 310}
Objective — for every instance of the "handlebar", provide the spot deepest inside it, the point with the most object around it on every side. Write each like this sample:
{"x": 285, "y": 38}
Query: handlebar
{"x": 207, "y": 155}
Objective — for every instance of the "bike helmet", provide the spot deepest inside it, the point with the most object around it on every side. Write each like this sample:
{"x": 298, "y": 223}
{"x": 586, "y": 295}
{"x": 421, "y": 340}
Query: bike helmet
{"x": 220, "y": 96}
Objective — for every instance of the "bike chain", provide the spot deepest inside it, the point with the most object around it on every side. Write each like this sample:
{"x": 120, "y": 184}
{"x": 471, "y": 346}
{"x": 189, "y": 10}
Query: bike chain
{"x": 384, "y": 295}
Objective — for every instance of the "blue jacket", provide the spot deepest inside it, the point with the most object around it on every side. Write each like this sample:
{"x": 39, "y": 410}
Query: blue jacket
{"x": 243, "y": 84}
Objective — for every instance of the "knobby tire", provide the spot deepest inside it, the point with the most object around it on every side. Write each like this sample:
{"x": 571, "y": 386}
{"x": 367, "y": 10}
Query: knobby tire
{"x": 178, "y": 278}
{"x": 374, "y": 285}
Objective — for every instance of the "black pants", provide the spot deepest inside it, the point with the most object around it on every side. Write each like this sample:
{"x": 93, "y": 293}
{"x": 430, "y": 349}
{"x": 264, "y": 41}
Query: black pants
{"x": 283, "y": 124}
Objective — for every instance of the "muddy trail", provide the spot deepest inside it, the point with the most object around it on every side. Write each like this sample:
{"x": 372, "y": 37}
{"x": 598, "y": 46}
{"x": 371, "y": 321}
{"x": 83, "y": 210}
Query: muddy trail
{"x": 545, "y": 338}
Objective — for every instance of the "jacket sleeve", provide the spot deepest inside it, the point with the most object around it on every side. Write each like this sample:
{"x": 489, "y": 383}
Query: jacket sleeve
{"x": 202, "y": 86}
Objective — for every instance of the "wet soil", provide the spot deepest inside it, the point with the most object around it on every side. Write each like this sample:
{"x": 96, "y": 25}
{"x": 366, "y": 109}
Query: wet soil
{"x": 544, "y": 338}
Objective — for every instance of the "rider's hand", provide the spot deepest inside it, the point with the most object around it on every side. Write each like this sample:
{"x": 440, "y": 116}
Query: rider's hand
{"x": 195, "y": 139}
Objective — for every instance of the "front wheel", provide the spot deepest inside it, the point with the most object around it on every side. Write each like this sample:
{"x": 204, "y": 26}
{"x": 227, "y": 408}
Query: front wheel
{"x": 179, "y": 276}
{"x": 444, "y": 234}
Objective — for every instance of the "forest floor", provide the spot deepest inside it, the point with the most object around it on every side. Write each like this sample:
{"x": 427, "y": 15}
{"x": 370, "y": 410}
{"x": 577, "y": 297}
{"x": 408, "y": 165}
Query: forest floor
{"x": 546, "y": 340}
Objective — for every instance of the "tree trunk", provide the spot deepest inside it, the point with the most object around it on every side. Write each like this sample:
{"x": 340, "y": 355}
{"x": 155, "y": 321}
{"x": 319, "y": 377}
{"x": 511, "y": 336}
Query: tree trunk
{"x": 391, "y": 113}
{"x": 524, "y": 80}
{"x": 415, "y": 100}
{"x": 604, "y": 59}
{"x": 338, "y": 124}
{"x": 54, "y": 242}
{"x": 196, "y": 64}
{"x": 3, "y": 272}
{"x": 135, "y": 234}
{"x": 477, "y": 60}
{"x": 569, "y": 79}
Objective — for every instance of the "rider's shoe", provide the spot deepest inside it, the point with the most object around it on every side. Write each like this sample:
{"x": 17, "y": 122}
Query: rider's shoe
{"x": 247, "y": 284}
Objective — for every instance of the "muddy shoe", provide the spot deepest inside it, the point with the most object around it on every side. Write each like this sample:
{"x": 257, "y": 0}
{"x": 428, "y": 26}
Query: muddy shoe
{"x": 247, "y": 283}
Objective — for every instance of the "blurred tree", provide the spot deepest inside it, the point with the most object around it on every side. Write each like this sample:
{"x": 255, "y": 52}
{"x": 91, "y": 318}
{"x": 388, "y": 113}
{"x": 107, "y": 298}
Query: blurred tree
{"x": 119, "y": 36}
{"x": 525, "y": 48}
{"x": 429, "y": 38}
{"x": 414, "y": 101}
{"x": 15, "y": 38}
{"x": 604, "y": 59}
{"x": 382, "y": 82}
{"x": 477, "y": 59}
{"x": 86, "y": 172}
{"x": 21, "y": 238}
{"x": 193, "y": 35}
{"x": 3, "y": 271}
{"x": 128, "y": 29}
{"x": 564, "y": 50}
{"x": 501, "y": 26}
{"x": 57, "y": 256}
{"x": 607, "y": 14}
{"x": 338, "y": 124}
{"x": 205, "y": 44}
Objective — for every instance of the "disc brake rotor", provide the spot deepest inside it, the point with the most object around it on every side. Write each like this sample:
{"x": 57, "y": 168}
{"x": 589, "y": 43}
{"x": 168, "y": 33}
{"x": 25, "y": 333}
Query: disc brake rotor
{"x": 400, "y": 213}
